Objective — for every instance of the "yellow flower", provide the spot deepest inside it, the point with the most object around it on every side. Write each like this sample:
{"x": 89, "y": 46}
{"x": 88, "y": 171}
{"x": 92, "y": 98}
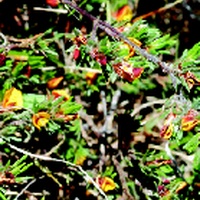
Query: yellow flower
{"x": 182, "y": 185}
{"x": 130, "y": 48}
{"x": 40, "y": 119}
{"x": 90, "y": 77}
{"x": 54, "y": 82}
{"x": 124, "y": 13}
{"x": 106, "y": 183}
{"x": 60, "y": 93}
{"x": 80, "y": 160}
{"x": 189, "y": 121}
{"x": 12, "y": 97}
{"x": 191, "y": 79}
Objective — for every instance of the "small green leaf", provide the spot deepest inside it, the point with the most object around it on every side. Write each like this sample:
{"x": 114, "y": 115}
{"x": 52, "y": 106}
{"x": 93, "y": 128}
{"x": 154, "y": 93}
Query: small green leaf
{"x": 196, "y": 162}
{"x": 192, "y": 144}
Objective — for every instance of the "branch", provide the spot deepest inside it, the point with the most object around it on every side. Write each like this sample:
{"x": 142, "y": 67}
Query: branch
{"x": 168, "y": 6}
{"x": 115, "y": 33}
{"x": 75, "y": 167}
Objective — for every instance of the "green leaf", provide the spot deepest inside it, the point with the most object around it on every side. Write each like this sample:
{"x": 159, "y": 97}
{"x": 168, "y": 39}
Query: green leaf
{"x": 192, "y": 144}
{"x": 31, "y": 99}
{"x": 70, "y": 107}
{"x": 196, "y": 162}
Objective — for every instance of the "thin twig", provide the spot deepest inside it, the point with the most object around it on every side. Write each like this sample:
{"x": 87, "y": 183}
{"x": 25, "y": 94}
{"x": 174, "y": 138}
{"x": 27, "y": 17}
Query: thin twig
{"x": 146, "y": 105}
{"x": 4, "y": 40}
{"x": 56, "y": 147}
{"x": 49, "y": 68}
{"x": 75, "y": 167}
{"x": 166, "y": 7}
{"x": 14, "y": 193}
{"x": 187, "y": 158}
{"x": 122, "y": 177}
{"x": 59, "y": 11}
{"x": 25, "y": 188}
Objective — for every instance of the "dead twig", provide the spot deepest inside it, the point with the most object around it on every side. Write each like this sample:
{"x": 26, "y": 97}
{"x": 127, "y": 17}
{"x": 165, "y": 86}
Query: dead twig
{"x": 166, "y": 7}
{"x": 54, "y": 10}
{"x": 25, "y": 188}
{"x": 146, "y": 105}
{"x": 122, "y": 177}
{"x": 75, "y": 167}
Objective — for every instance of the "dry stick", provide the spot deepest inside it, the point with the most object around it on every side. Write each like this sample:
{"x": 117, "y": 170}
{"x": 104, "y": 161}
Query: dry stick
{"x": 115, "y": 33}
{"x": 56, "y": 147}
{"x": 74, "y": 166}
{"x": 122, "y": 177}
{"x": 55, "y": 10}
{"x": 187, "y": 158}
{"x": 25, "y": 188}
{"x": 49, "y": 68}
{"x": 4, "y": 40}
{"x": 146, "y": 105}
{"x": 168, "y": 6}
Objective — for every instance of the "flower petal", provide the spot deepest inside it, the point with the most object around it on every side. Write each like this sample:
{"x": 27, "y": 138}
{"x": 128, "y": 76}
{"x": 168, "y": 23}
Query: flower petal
{"x": 189, "y": 121}
{"x": 12, "y": 97}
{"x": 60, "y": 93}
{"x": 90, "y": 77}
{"x": 167, "y": 130}
{"x": 124, "y": 13}
{"x": 125, "y": 71}
{"x": 106, "y": 183}
{"x": 54, "y": 82}
{"x": 40, "y": 119}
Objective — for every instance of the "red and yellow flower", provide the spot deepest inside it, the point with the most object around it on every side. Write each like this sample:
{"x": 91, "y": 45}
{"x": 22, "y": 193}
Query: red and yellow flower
{"x": 124, "y": 13}
{"x": 60, "y": 93}
{"x": 106, "y": 183}
{"x": 54, "y": 82}
{"x": 130, "y": 48}
{"x": 12, "y": 97}
{"x": 190, "y": 79}
{"x": 182, "y": 185}
{"x": 125, "y": 71}
{"x": 167, "y": 130}
{"x": 40, "y": 119}
{"x": 90, "y": 77}
{"x": 189, "y": 121}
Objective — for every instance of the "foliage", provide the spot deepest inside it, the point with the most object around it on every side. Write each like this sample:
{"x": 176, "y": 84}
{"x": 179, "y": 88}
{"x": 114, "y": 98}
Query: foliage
{"x": 109, "y": 110}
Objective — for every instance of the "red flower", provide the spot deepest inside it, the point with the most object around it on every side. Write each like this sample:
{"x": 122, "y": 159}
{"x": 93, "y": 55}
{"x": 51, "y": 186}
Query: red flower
{"x": 27, "y": 71}
{"x": 99, "y": 57}
{"x": 76, "y": 53}
{"x": 2, "y": 59}
{"x": 125, "y": 71}
{"x": 162, "y": 190}
{"x": 52, "y": 3}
